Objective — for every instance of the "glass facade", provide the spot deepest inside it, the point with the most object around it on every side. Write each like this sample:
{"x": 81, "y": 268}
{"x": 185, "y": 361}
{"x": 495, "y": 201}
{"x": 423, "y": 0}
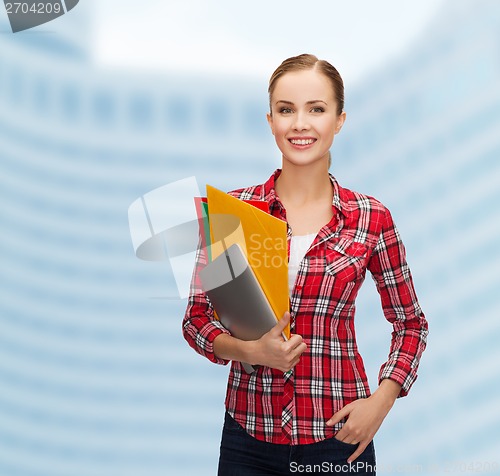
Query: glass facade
{"x": 95, "y": 378}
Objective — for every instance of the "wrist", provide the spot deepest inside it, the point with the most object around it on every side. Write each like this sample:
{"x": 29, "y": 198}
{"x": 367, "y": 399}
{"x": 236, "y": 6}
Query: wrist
{"x": 387, "y": 393}
{"x": 230, "y": 348}
{"x": 250, "y": 352}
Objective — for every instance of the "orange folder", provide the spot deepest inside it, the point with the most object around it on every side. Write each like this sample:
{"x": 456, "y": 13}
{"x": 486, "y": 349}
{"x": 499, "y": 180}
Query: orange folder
{"x": 263, "y": 239}
{"x": 201, "y": 206}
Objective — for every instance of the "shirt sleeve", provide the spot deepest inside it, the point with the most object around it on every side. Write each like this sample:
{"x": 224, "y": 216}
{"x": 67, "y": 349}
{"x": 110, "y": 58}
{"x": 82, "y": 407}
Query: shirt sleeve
{"x": 394, "y": 283}
{"x": 200, "y": 327}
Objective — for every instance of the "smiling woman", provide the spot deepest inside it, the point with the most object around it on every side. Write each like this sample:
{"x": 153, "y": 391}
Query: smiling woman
{"x": 308, "y": 401}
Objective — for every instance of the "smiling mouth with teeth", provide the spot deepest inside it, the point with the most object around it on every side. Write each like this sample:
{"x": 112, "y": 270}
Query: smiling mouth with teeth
{"x": 302, "y": 141}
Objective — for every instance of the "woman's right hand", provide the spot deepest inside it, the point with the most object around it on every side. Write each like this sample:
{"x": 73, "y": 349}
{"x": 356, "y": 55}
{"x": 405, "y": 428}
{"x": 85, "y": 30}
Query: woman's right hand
{"x": 273, "y": 351}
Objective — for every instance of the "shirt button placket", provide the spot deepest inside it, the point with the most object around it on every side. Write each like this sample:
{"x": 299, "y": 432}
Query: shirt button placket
{"x": 288, "y": 406}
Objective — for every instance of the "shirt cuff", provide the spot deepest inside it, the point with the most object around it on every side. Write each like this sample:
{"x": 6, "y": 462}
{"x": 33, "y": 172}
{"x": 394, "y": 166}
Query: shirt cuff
{"x": 205, "y": 341}
{"x": 404, "y": 377}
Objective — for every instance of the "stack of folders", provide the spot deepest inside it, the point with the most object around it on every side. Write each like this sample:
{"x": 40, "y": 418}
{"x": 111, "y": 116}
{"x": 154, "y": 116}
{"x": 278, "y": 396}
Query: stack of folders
{"x": 246, "y": 277}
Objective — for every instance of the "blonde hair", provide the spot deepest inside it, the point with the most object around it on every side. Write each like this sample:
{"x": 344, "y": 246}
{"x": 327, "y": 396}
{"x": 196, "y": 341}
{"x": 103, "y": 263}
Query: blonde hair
{"x": 304, "y": 62}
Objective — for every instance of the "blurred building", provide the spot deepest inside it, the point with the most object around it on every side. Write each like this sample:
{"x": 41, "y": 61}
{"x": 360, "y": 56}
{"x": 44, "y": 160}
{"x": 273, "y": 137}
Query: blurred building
{"x": 95, "y": 378}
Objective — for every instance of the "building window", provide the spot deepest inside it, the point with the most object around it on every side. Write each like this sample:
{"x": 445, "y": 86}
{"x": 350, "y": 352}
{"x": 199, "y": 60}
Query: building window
{"x": 70, "y": 102}
{"x": 141, "y": 111}
{"x": 179, "y": 114}
{"x": 15, "y": 87}
{"x": 254, "y": 121}
{"x": 217, "y": 116}
{"x": 41, "y": 95}
{"x": 104, "y": 108}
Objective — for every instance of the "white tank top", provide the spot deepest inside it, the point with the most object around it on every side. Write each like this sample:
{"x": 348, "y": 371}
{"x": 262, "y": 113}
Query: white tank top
{"x": 298, "y": 249}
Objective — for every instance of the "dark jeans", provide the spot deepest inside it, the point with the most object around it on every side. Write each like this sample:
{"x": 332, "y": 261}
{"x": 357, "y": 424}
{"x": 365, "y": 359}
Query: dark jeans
{"x": 243, "y": 455}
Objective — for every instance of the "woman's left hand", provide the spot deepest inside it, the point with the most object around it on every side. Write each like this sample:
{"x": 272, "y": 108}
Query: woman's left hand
{"x": 364, "y": 417}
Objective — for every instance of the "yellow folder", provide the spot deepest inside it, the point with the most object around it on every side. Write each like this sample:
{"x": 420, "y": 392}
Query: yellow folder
{"x": 261, "y": 236}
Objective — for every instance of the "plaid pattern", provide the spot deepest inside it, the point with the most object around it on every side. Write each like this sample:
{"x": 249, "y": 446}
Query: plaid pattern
{"x": 292, "y": 408}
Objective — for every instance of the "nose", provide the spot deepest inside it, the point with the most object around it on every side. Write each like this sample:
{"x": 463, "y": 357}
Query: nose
{"x": 300, "y": 123}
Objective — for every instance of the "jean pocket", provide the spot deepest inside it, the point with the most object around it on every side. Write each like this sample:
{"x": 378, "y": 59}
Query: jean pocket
{"x": 230, "y": 424}
{"x": 348, "y": 445}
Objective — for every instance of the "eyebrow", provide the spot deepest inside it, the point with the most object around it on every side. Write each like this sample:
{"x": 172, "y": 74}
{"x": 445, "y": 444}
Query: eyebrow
{"x": 308, "y": 102}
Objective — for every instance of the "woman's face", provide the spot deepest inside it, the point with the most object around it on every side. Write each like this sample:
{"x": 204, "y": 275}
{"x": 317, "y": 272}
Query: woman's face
{"x": 304, "y": 116}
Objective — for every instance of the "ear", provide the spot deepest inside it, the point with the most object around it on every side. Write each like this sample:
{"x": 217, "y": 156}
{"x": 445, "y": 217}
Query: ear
{"x": 340, "y": 122}
{"x": 270, "y": 122}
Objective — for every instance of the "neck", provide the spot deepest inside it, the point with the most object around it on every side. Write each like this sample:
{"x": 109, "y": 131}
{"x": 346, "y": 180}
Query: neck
{"x": 302, "y": 184}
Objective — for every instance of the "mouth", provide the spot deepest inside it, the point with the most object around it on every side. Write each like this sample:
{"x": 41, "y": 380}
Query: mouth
{"x": 302, "y": 142}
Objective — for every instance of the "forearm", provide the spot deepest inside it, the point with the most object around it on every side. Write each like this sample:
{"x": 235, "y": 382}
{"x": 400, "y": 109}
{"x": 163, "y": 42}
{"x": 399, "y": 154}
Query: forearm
{"x": 200, "y": 329}
{"x": 230, "y": 348}
{"x": 407, "y": 345}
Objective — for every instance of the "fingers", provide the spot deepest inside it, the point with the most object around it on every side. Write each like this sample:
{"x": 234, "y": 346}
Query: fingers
{"x": 295, "y": 346}
{"x": 293, "y": 355}
{"x": 339, "y": 416}
{"x": 281, "y": 324}
{"x": 282, "y": 354}
{"x": 294, "y": 342}
{"x": 296, "y": 352}
{"x": 359, "y": 450}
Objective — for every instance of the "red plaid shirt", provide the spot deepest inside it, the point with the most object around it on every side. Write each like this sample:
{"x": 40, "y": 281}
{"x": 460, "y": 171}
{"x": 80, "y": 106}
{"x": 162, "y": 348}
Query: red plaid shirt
{"x": 293, "y": 408}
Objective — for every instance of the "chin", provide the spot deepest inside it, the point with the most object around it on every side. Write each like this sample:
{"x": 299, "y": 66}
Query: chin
{"x": 303, "y": 162}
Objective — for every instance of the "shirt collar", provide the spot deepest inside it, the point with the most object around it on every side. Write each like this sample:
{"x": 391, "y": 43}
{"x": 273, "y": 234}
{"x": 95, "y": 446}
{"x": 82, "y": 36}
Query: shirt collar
{"x": 340, "y": 200}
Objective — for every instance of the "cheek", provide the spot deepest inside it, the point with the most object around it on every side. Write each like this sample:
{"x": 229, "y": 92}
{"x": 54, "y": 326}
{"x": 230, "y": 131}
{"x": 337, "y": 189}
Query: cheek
{"x": 279, "y": 127}
{"x": 329, "y": 127}
{"x": 280, "y": 121}
{"x": 279, "y": 133}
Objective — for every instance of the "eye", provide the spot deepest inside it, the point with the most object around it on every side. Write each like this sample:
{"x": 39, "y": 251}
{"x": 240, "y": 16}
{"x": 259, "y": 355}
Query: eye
{"x": 318, "y": 109}
{"x": 285, "y": 110}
